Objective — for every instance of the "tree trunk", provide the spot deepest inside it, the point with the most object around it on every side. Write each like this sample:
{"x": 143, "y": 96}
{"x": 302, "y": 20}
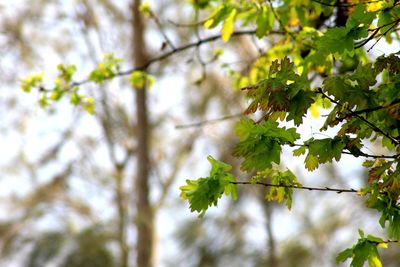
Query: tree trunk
{"x": 120, "y": 198}
{"x": 272, "y": 259}
{"x": 144, "y": 211}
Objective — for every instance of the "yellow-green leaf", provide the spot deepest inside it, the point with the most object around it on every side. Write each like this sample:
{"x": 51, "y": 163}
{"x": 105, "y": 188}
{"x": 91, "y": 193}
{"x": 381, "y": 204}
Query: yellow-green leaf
{"x": 227, "y": 26}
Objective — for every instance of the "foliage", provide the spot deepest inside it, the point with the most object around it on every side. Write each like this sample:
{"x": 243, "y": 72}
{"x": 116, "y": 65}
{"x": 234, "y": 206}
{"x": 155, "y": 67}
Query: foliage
{"x": 205, "y": 192}
{"x": 364, "y": 251}
{"x": 65, "y": 85}
{"x": 364, "y": 109}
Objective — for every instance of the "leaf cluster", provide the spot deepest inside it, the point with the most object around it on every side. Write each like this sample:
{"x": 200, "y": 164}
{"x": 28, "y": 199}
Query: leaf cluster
{"x": 260, "y": 144}
{"x": 65, "y": 85}
{"x": 283, "y": 91}
{"x": 285, "y": 179}
{"x": 365, "y": 250}
{"x": 205, "y": 192}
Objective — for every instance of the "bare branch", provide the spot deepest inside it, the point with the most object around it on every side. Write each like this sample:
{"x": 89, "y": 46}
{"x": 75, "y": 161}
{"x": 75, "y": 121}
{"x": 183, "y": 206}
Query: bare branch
{"x": 160, "y": 27}
{"x": 329, "y": 189}
{"x": 209, "y": 121}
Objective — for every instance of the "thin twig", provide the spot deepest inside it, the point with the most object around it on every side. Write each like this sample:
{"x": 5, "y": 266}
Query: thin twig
{"x": 330, "y": 189}
{"x": 188, "y": 25}
{"x": 383, "y": 34}
{"x": 374, "y": 33}
{"x": 344, "y": 5}
{"x": 280, "y": 21}
{"x": 160, "y": 27}
{"x": 367, "y": 110}
{"x": 364, "y": 42}
{"x": 210, "y": 121}
{"x": 371, "y": 125}
{"x": 360, "y": 153}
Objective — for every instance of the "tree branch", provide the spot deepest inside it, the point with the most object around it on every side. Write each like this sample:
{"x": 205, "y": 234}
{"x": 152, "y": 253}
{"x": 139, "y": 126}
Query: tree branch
{"x": 367, "y": 110}
{"x": 329, "y": 189}
{"x": 360, "y": 153}
{"x": 160, "y": 27}
{"x": 344, "y": 5}
{"x": 167, "y": 55}
{"x": 372, "y": 126}
{"x": 375, "y": 31}
{"x": 209, "y": 121}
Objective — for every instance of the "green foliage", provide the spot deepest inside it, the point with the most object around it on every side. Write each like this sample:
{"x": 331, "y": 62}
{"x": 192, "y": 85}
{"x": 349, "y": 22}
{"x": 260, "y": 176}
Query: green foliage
{"x": 280, "y": 194}
{"x": 260, "y": 144}
{"x": 325, "y": 150}
{"x": 362, "y": 96}
{"x": 282, "y": 91}
{"x": 340, "y": 40}
{"x": 265, "y": 20}
{"x": 364, "y": 251}
{"x": 140, "y": 80}
{"x": 31, "y": 81}
{"x": 205, "y": 192}
{"x": 145, "y": 8}
{"x": 107, "y": 69}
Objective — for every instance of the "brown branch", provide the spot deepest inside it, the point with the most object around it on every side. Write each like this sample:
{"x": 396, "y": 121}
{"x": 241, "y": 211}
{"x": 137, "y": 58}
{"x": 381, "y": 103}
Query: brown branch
{"x": 329, "y": 189}
{"x": 374, "y": 33}
{"x": 384, "y": 34}
{"x": 367, "y": 110}
{"x": 167, "y": 55}
{"x": 371, "y": 125}
{"x": 364, "y": 42}
{"x": 360, "y": 153}
{"x": 187, "y": 25}
{"x": 209, "y": 121}
{"x": 344, "y": 5}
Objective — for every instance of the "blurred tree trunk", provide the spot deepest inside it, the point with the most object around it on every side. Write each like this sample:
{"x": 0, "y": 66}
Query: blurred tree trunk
{"x": 272, "y": 259}
{"x": 144, "y": 212}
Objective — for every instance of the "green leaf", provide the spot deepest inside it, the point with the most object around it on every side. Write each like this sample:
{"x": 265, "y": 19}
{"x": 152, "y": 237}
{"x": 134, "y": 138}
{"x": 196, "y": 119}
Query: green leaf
{"x": 265, "y": 21}
{"x": 344, "y": 255}
{"x": 145, "y": 8}
{"x": 89, "y": 105}
{"x": 360, "y": 18}
{"x": 107, "y": 69}
{"x": 227, "y": 26}
{"x": 360, "y": 254}
{"x": 31, "y": 81}
{"x": 140, "y": 79}
{"x": 260, "y": 144}
{"x": 281, "y": 194}
{"x": 205, "y": 192}
{"x": 299, "y": 105}
{"x": 218, "y": 15}
{"x": 311, "y": 162}
{"x": 283, "y": 91}
{"x": 335, "y": 40}
{"x": 299, "y": 151}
